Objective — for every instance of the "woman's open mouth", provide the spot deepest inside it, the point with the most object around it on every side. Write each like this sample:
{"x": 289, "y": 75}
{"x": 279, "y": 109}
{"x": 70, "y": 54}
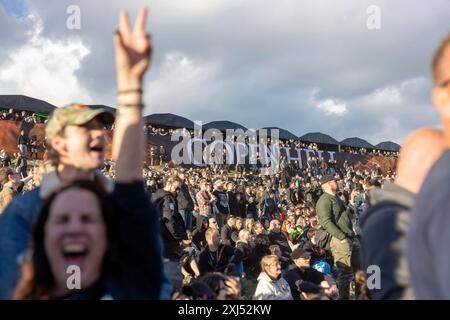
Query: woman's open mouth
{"x": 75, "y": 253}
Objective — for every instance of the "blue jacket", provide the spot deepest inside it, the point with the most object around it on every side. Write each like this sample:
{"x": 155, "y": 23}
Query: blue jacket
{"x": 16, "y": 230}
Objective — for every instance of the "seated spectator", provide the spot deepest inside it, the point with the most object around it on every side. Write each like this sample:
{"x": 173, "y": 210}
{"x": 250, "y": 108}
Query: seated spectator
{"x": 198, "y": 236}
{"x": 276, "y": 251}
{"x": 318, "y": 246}
{"x": 311, "y": 291}
{"x": 260, "y": 248}
{"x": 10, "y": 182}
{"x": 217, "y": 257}
{"x": 258, "y": 228}
{"x": 301, "y": 271}
{"x": 271, "y": 285}
{"x": 277, "y": 237}
{"x": 212, "y": 223}
{"x": 189, "y": 258}
{"x": 236, "y": 229}
{"x": 225, "y": 287}
{"x": 243, "y": 245}
{"x": 227, "y": 231}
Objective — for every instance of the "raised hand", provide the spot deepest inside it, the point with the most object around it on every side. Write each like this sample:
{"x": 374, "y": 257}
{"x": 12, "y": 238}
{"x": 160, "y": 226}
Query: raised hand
{"x": 133, "y": 51}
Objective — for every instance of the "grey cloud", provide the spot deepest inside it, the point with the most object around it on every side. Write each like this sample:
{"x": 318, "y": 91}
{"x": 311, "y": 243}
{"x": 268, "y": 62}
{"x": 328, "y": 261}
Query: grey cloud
{"x": 273, "y": 54}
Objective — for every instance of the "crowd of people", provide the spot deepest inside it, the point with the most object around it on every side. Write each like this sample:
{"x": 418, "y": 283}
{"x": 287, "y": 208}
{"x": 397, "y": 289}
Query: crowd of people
{"x": 218, "y": 233}
{"x": 26, "y": 116}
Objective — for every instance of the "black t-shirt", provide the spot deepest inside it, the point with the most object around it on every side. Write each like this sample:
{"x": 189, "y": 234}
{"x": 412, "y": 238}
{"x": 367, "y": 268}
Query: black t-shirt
{"x": 23, "y": 140}
{"x": 295, "y": 276}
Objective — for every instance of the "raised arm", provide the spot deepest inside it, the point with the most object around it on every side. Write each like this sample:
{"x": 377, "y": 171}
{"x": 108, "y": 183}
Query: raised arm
{"x": 133, "y": 51}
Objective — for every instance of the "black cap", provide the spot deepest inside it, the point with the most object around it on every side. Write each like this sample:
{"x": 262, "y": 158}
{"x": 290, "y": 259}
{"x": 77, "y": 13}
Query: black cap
{"x": 300, "y": 253}
{"x": 326, "y": 178}
{"x": 309, "y": 287}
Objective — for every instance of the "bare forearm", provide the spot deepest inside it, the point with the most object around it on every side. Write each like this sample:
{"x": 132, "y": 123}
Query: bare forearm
{"x": 128, "y": 144}
{"x": 133, "y": 49}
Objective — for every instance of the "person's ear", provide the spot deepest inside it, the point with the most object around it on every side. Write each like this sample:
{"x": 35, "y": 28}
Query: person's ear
{"x": 441, "y": 101}
{"x": 59, "y": 144}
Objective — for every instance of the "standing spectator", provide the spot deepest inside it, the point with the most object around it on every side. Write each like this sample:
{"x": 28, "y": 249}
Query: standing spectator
{"x": 22, "y": 143}
{"x": 153, "y": 155}
{"x": 336, "y": 220}
{"x": 251, "y": 204}
{"x": 34, "y": 147}
{"x": 162, "y": 155}
{"x": 185, "y": 202}
{"x": 222, "y": 202}
{"x": 428, "y": 236}
{"x": 268, "y": 206}
{"x": 241, "y": 202}
{"x": 173, "y": 229}
{"x": 22, "y": 166}
{"x": 232, "y": 199}
{"x": 390, "y": 212}
{"x": 205, "y": 201}
{"x": 271, "y": 285}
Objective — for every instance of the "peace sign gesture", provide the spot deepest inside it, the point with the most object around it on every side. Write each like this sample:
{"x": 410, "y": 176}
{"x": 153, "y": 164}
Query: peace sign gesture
{"x": 133, "y": 51}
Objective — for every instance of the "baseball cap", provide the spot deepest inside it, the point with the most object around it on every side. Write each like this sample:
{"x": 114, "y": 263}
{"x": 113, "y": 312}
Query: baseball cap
{"x": 326, "y": 178}
{"x": 75, "y": 115}
{"x": 300, "y": 253}
{"x": 218, "y": 182}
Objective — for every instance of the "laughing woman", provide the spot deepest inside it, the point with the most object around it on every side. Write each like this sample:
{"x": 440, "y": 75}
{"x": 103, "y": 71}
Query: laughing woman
{"x": 91, "y": 245}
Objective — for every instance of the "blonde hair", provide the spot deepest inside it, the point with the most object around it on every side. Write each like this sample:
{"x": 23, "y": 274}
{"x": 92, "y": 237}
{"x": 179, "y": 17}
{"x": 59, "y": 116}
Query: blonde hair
{"x": 267, "y": 261}
{"x": 243, "y": 233}
{"x": 248, "y": 224}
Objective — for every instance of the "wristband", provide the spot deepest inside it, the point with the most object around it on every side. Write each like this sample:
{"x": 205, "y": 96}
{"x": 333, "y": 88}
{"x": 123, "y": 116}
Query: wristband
{"x": 129, "y": 91}
{"x": 130, "y": 105}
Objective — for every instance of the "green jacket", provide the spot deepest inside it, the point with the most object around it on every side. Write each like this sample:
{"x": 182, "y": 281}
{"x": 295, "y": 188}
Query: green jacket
{"x": 328, "y": 208}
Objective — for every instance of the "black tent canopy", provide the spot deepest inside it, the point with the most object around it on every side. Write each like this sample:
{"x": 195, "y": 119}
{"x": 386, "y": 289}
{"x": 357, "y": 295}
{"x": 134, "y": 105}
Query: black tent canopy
{"x": 283, "y": 133}
{"x": 168, "y": 120}
{"x": 25, "y": 103}
{"x": 388, "y": 146}
{"x": 357, "y": 143}
{"x": 318, "y": 137}
{"x": 223, "y": 125}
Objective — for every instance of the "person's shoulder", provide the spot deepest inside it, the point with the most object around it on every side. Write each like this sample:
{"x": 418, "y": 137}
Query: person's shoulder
{"x": 437, "y": 178}
{"x": 435, "y": 189}
{"x": 26, "y": 205}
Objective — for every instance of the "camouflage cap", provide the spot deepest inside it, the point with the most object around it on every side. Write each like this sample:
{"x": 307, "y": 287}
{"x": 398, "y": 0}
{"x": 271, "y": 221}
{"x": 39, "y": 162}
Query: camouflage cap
{"x": 74, "y": 115}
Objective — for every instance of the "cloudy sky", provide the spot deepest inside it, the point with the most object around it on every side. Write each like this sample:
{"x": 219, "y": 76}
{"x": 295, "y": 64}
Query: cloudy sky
{"x": 301, "y": 65}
